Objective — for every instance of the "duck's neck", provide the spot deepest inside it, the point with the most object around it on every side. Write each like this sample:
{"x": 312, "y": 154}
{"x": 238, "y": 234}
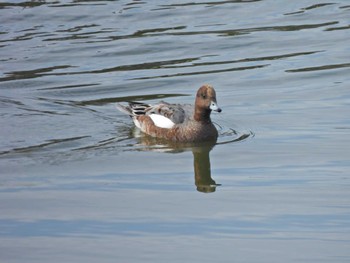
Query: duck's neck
{"x": 202, "y": 115}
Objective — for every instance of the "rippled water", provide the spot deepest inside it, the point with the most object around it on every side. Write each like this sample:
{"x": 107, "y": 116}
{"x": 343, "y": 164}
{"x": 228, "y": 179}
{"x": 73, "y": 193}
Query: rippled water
{"x": 78, "y": 183}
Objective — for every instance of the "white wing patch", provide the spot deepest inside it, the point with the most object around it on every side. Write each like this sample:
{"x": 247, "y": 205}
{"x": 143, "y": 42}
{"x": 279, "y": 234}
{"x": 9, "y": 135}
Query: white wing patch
{"x": 161, "y": 121}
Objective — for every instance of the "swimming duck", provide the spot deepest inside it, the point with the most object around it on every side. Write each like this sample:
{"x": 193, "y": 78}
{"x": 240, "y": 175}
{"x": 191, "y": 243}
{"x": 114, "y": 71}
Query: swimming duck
{"x": 177, "y": 122}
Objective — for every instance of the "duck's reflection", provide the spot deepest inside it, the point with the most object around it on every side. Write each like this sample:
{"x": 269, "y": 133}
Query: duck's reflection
{"x": 202, "y": 171}
{"x": 201, "y": 159}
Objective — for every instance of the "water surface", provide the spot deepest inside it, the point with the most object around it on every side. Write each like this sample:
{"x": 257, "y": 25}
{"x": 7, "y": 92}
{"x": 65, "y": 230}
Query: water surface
{"x": 78, "y": 183}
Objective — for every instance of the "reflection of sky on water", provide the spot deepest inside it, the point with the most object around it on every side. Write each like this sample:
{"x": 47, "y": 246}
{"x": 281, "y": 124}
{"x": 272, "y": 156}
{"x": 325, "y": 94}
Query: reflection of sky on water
{"x": 266, "y": 226}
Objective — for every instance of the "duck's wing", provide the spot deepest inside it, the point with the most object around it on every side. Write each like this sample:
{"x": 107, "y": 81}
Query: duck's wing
{"x": 174, "y": 112}
{"x": 164, "y": 115}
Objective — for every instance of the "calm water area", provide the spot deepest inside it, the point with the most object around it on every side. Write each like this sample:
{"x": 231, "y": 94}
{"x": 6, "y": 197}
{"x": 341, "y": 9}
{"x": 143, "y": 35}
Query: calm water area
{"x": 78, "y": 183}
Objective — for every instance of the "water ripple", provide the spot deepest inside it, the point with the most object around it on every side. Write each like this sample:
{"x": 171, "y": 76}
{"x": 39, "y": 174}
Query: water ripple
{"x": 318, "y": 68}
{"x": 242, "y": 31}
{"x": 30, "y": 74}
{"x": 41, "y": 146}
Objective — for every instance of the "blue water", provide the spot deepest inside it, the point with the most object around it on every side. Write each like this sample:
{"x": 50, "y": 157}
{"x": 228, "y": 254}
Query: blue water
{"x": 78, "y": 183}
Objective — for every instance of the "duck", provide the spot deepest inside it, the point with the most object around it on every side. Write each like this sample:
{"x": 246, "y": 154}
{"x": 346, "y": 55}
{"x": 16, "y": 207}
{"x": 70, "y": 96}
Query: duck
{"x": 184, "y": 123}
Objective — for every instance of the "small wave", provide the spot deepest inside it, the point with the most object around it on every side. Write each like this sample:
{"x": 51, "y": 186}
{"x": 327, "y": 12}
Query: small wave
{"x": 230, "y": 135}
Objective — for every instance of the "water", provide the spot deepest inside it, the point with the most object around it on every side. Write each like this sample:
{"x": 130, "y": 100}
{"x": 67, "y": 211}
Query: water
{"x": 79, "y": 184}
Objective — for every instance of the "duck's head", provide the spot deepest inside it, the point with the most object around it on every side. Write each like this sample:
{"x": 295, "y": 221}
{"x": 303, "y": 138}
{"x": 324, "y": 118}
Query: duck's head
{"x": 206, "y": 99}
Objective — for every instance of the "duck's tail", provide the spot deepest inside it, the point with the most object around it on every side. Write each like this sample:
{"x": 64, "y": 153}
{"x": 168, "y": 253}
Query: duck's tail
{"x": 124, "y": 109}
{"x": 133, "y": 109}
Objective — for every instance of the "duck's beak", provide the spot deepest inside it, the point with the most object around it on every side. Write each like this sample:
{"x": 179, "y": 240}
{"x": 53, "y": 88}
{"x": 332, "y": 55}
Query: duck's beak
{"x": 214, "y": 106}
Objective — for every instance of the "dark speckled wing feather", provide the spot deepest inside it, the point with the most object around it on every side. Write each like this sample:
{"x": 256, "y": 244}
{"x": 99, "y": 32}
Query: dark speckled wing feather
{"x": 175, "y": 112}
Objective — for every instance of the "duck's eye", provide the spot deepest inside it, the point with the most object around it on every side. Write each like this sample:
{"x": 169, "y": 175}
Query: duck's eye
{"x": 204, "y": 96}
